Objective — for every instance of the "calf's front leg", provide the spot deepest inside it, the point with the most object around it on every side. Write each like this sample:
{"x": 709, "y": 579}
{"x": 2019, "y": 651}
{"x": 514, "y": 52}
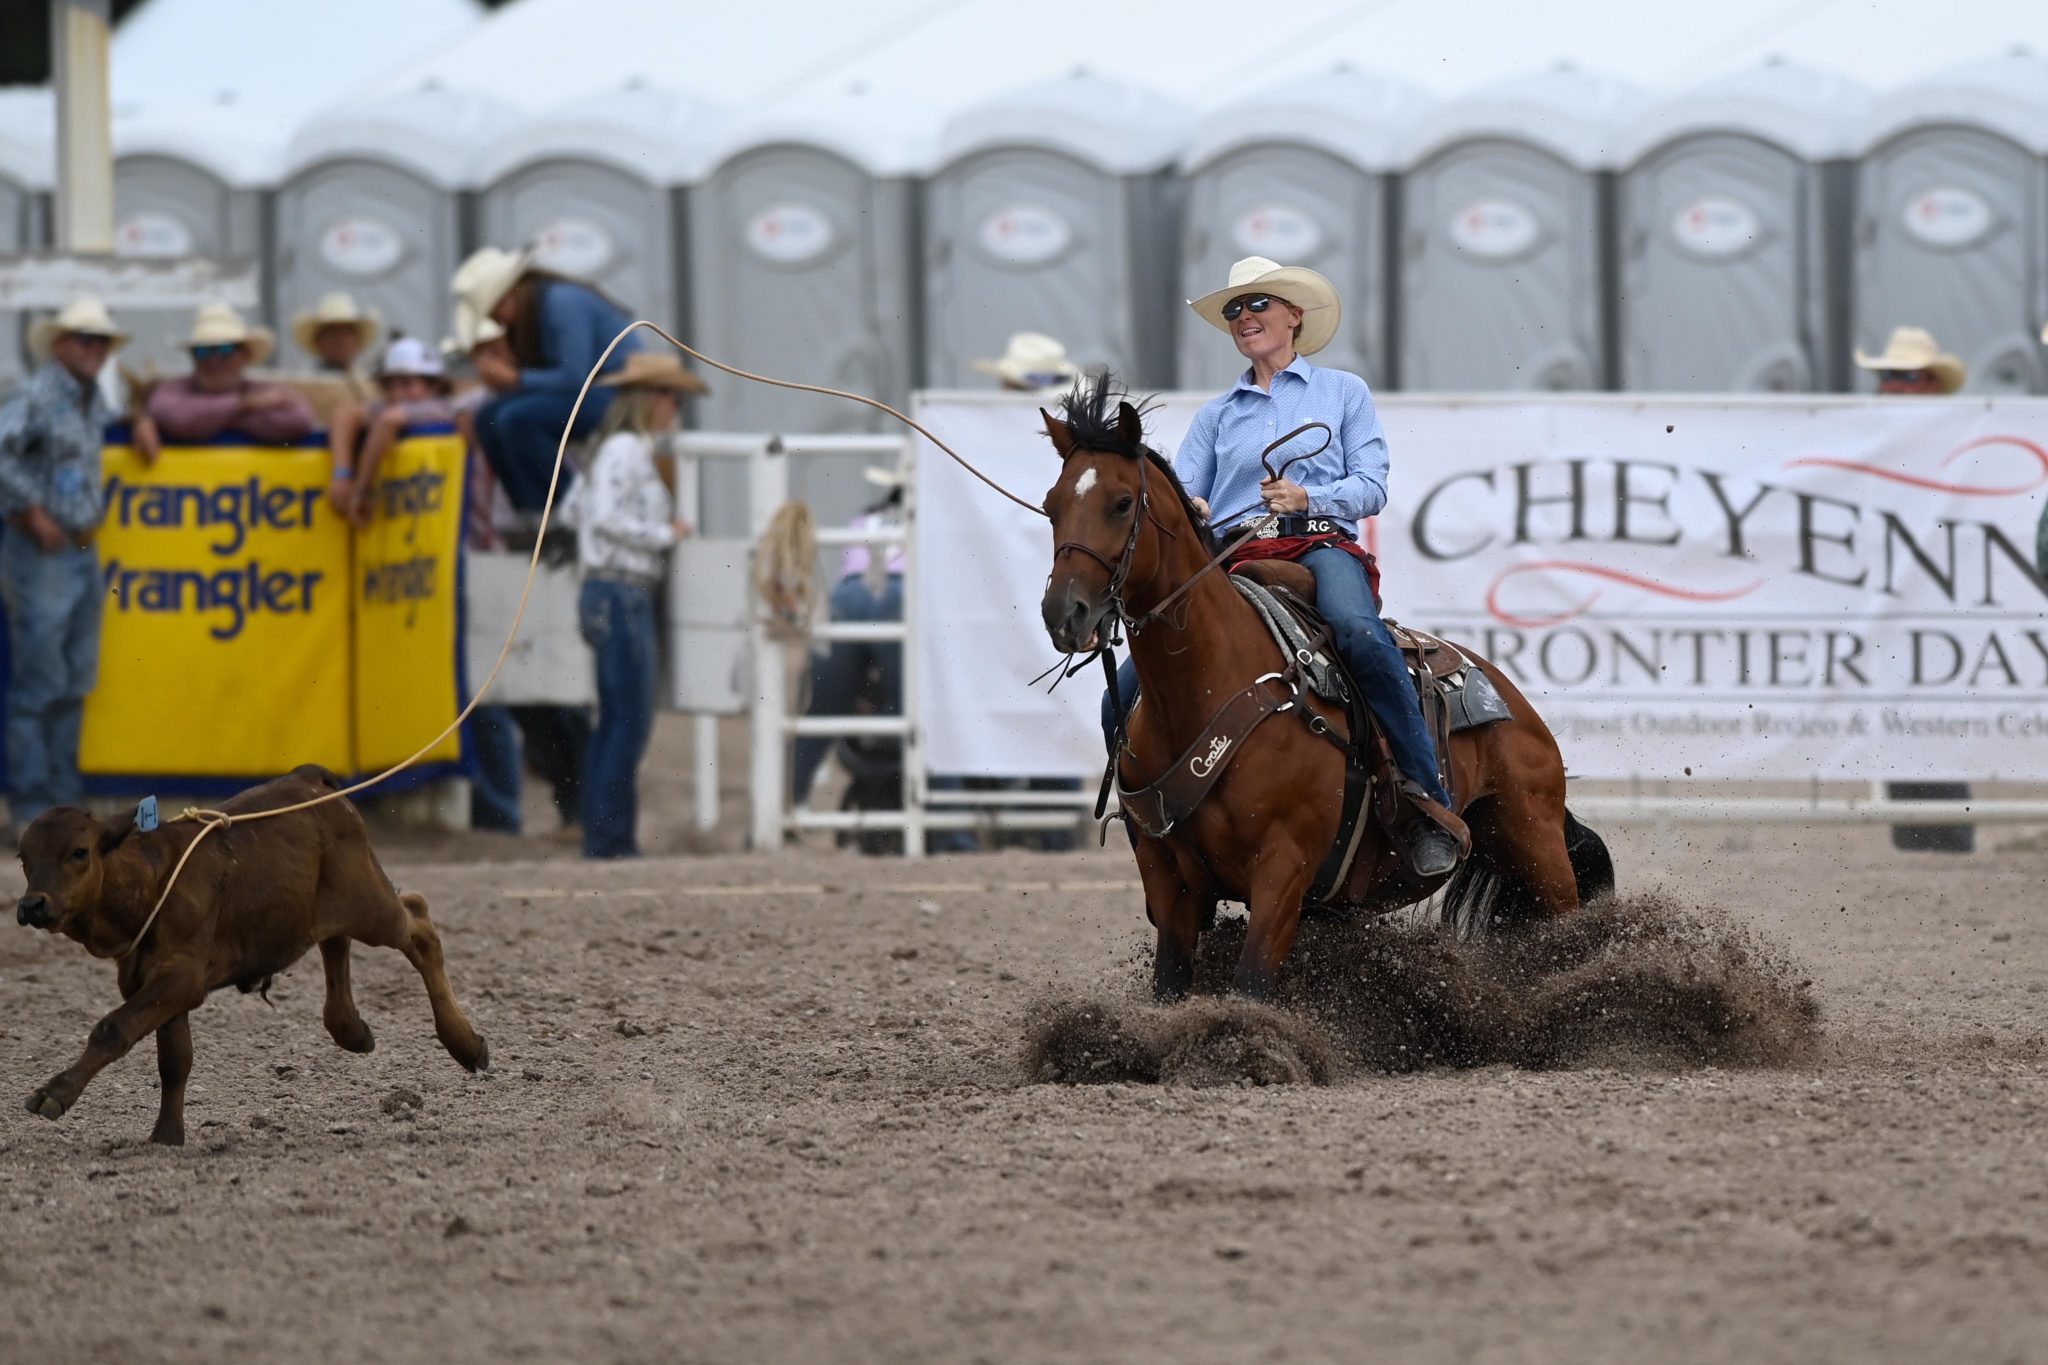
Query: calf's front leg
{"x": 173, "y": 1066}
{"x": 160, "y": 999}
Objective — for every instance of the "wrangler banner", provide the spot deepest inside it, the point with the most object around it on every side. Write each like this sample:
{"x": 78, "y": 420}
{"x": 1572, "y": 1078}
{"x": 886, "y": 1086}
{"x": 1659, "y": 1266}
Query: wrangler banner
{"x": 1743, "y": 588}
{"x": 408, "y": 627}
{"x": 248, "y": 629}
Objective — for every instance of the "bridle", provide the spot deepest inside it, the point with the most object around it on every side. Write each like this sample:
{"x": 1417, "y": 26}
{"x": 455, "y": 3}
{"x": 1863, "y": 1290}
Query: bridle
{"x": 1120, "y": 570}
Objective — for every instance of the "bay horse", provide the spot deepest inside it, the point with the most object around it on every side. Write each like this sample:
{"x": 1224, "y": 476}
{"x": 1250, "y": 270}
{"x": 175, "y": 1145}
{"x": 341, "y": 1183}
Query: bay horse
{"x": 1127, "y": 540}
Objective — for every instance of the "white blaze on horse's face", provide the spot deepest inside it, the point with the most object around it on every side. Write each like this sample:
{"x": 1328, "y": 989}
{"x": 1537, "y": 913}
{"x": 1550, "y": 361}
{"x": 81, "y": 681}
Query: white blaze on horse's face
{"x": 1084, "y": 483}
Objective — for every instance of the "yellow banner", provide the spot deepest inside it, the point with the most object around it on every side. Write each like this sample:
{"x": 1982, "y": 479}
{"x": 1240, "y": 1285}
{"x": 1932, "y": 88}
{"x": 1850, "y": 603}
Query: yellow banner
{"x": 225, "y": 646}
{"x": 407, "y": 605}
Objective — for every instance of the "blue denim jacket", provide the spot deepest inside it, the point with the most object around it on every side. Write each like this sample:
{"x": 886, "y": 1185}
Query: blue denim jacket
{"x": 50, "y": 438}
{"x": 576, "y": 324}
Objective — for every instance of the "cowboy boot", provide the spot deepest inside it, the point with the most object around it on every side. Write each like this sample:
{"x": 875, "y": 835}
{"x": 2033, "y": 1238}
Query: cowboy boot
{"x": 1435, "y": 841}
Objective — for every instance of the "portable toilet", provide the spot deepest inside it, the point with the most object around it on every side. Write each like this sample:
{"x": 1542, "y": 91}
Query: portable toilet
{"x": 597, "y": 188}
{"x": 1503, "y": 236}
{"x": 189, "y": 182}
{"x": 1053, "y": 211}
{"x": 1300, "y": 175}
{"x": 803, "y": 254}
{"x": 371, "y": 203}
{"x": 28, "y": 165}
{"x": 1952, "y": 220}
{"x": 1731, "y": 212}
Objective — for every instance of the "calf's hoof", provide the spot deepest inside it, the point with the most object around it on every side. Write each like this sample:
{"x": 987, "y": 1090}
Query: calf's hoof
{"x": 481, "y": 1060}
{"x": 354, "y": 1037}
{"x": 46, "y": 1104}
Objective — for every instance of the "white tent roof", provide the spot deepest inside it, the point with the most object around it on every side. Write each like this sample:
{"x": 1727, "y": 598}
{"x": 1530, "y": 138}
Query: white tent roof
{"x": 2007, "y": 95}
{"x": 1363, "y": 117}
{"x": 225, "y": 82}
{"x": 1578, "y": 116}
{"x": 537, "y": 53}
{"x": 1122, "y": 128}
{"x": 432, "y": 132}
{"x": 28, "y": 136}
{"x": 1814, "y": 114}
{"x": 660, "y": 135}
{"x": 884, "y": 135}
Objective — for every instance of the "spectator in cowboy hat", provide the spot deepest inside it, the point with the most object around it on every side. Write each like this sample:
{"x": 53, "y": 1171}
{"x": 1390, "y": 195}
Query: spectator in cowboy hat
{"x": 218, "y": 396}
{"x": 627, "y": 523}
{"x": 414, "y": 390}
{"x": 557, "y": 328}
{"x": 336, "y": 332}
{"x": 1911, "y": 363}
{"x": 51, "y": 434}
{"x": 1032, "y": 363}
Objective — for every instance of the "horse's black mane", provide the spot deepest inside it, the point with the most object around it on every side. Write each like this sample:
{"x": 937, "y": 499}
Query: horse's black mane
{"x": 1092, "y": 411}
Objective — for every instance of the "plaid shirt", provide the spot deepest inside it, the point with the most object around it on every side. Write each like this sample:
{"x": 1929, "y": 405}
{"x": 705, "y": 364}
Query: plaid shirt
{"x": 50, "y": 437}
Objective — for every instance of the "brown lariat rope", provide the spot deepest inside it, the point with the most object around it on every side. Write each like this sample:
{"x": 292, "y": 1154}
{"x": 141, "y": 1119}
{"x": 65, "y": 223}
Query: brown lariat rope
{"x": 211, "y": 820}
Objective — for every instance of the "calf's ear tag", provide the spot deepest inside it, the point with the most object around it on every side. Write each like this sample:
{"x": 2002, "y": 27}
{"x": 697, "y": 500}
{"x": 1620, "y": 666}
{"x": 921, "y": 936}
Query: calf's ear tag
{"x": 145, "y": 814}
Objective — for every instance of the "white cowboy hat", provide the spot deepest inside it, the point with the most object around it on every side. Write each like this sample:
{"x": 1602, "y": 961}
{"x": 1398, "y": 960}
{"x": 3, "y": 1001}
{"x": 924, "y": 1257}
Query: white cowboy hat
{"x": 882, "y": 476}
{"x": 218, "y": 324}
{"x": 1914, "y": 348}
{"x": 335, "y": 310}
{"x": 489, "y": 272}
{"x": 1307, "y": 290}
{"x": 652, "y": 370}
{"x": 1033, "y": 361}
{"x": 410, "y": 356}
{"x": 470, "y": 335}
{"x": 84, "y": 314}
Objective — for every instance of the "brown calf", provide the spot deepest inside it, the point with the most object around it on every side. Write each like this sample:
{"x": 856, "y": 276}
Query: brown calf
{"x": 254, "y": 897}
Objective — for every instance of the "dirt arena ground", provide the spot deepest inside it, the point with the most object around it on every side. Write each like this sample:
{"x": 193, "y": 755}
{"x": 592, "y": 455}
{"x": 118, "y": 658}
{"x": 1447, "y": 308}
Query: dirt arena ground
{"x": 777, "y": 1109}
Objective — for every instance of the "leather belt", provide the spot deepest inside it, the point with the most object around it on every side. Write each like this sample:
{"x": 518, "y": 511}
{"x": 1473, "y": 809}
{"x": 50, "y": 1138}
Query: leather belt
{"x": 624, "y": 578}
{"x": 1287, "y": 528}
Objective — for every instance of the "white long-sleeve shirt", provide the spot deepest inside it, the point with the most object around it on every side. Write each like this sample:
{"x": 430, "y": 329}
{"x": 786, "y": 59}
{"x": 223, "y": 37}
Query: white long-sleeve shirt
{"x": 625, "y": 516}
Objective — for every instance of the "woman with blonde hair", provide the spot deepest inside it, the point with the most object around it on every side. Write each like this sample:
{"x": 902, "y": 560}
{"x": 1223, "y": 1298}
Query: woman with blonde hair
{"x": 627, "y": 522}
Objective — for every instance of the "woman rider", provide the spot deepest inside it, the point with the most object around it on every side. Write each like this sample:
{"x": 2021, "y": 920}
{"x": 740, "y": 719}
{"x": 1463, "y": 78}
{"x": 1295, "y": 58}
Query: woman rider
{"x": 1277, "y": 315}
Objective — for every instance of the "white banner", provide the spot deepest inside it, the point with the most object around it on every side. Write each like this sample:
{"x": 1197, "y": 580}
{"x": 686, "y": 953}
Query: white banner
{"x": 1744, "y": 588}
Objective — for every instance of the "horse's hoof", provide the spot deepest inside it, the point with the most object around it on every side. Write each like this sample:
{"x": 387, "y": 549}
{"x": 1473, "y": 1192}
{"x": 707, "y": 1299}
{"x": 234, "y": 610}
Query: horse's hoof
{"x": 358, "y": 1039}
{"x": 46, "y": 1105}
{"x": 168, "y": 1137}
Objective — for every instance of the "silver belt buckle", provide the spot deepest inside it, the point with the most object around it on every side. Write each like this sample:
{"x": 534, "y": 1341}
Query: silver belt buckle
{"x": 1268, "y": 530}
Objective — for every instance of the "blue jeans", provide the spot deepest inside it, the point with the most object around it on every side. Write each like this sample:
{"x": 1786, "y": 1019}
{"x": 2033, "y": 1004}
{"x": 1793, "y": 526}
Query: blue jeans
{"x": 838, "y": 676}
{"x": 53, "y": 634}
{"x": 1345, "y": 598}
{"x": 494, "y": 777}
{"x": 519, "y": 432}
{"x": 617, "y": 621}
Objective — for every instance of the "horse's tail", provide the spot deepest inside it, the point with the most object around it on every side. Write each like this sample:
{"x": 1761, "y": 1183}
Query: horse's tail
{"x": 1480, "y": 896}
{"x": 1592, "y": 867}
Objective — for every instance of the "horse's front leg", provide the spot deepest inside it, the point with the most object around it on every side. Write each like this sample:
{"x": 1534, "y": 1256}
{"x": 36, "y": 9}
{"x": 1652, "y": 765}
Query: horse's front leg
{"x": 1279, "y": 882}
{"x": 1176, "y": 912}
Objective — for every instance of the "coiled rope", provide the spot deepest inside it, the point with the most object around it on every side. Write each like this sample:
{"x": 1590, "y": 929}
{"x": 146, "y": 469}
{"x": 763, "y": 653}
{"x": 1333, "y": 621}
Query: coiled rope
{"x": 211, "y": 820}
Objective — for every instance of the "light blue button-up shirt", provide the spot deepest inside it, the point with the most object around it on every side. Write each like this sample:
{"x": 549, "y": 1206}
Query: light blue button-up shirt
{"x": 1219, "y": 459}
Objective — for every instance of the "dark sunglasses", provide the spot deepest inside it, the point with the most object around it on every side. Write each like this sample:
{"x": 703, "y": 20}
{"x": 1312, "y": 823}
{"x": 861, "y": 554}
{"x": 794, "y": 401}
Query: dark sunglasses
{"x": 218, "y": 352}
{"x": 1258, "y": 303}
{"x": 92, "y": 338}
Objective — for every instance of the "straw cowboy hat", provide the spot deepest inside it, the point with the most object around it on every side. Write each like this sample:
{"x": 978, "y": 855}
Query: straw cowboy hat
{"x": 647, "y": 370}
{"x": 1034, "y": 361}
{"x": 218, "y": 324}
{"x": 1315, "y": 296}
{"x": 84, "y": 314}
{"x": 335, "y": 310}
{"x": 410, "y": 356}
{"x": 1914, "y": 348}
{"x": 488, "y": 274}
